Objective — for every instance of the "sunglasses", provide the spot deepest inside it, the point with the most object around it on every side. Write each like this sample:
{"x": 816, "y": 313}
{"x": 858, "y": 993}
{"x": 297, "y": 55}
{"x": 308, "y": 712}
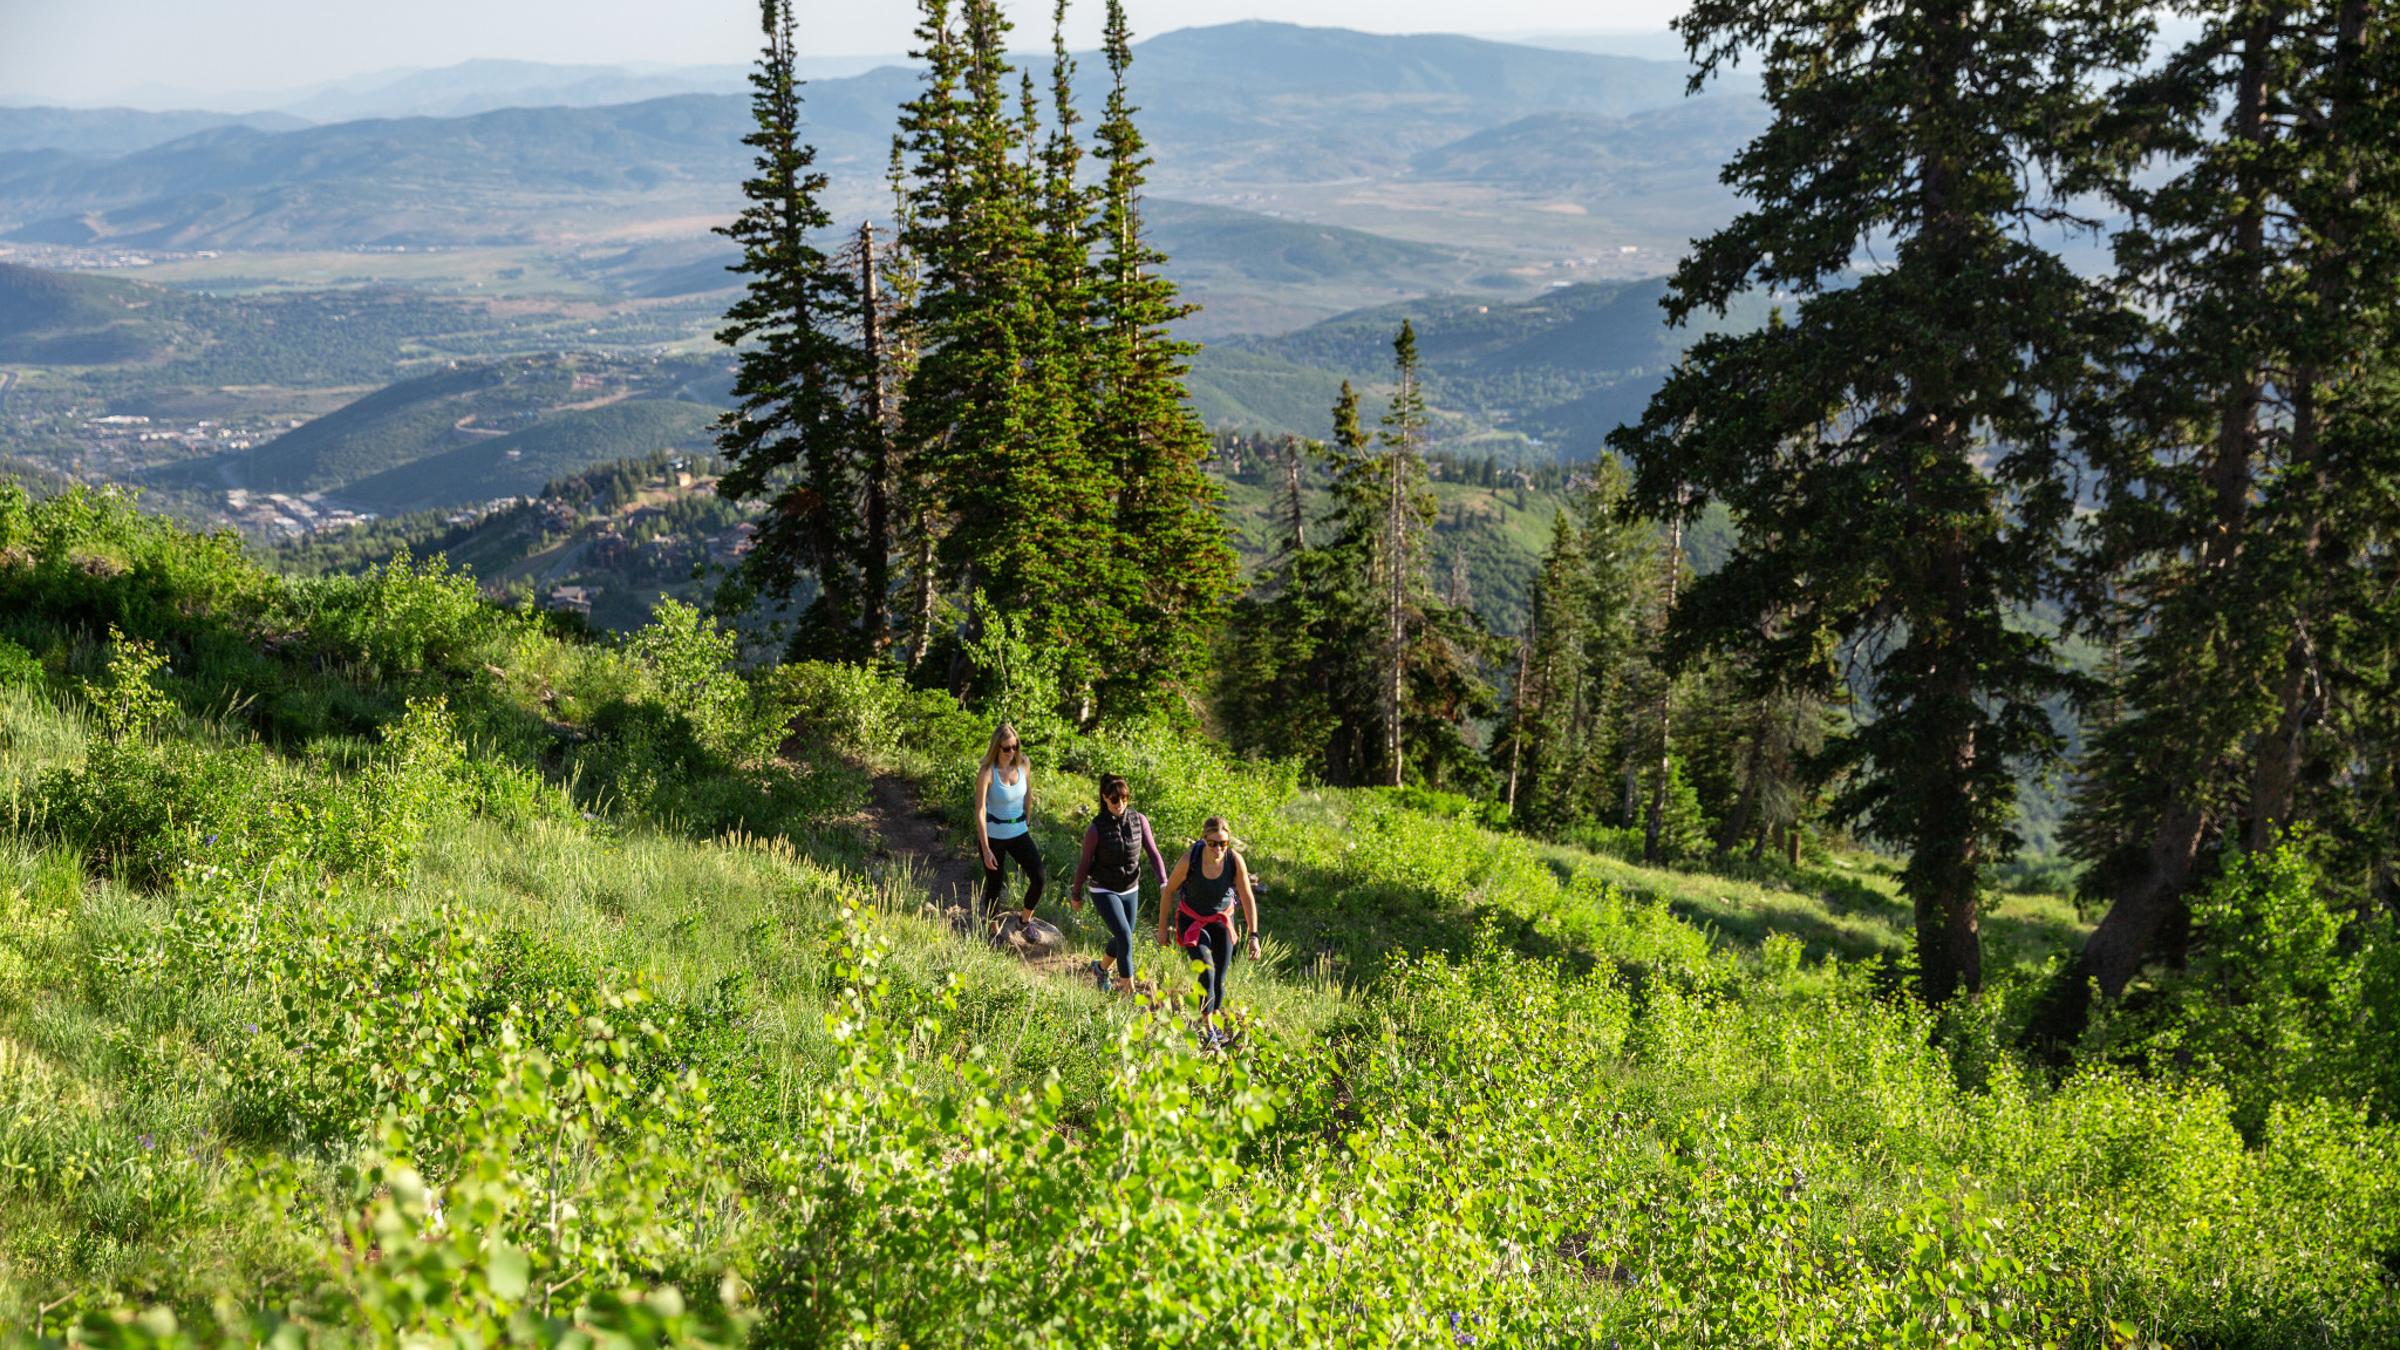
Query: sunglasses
{"x": 1010, "y": 746}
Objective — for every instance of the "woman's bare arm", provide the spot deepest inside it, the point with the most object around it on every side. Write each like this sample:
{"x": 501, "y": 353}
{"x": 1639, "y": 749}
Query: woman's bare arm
{"x": 1241, "y": 887}
{"x": 983, "y": 833}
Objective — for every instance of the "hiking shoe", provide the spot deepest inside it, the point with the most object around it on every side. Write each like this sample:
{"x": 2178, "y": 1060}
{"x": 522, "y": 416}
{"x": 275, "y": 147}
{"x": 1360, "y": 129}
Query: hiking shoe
{"x": 1100, "y": 975}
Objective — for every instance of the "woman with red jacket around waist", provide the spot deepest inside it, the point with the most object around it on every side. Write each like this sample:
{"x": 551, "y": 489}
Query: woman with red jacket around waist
{"x": 1200, "y": 897}
{"x": 1113, "y": 847}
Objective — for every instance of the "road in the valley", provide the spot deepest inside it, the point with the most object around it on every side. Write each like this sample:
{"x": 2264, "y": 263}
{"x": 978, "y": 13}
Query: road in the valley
{"x": 8, "y": 381}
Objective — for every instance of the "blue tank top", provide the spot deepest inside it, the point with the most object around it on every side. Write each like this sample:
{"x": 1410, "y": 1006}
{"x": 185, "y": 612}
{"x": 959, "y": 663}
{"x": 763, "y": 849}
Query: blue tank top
{"x": 1004, "y": 805}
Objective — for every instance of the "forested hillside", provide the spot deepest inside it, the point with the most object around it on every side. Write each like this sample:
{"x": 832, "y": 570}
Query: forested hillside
{"x": 679, "y": 1060}
{"x": 1557, "y": 372}
{"x": 1605, "y": 744}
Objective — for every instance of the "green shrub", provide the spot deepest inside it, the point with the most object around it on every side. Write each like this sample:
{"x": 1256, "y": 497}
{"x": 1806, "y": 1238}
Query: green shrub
{"x": 148, "y": 811}
{"x": 19, "y": 668}
{"x": 400, "y": 619}
{"x": 691, "y": 662}
{"x": 853, "y": 709}
{"x": 2279, "y": 1002}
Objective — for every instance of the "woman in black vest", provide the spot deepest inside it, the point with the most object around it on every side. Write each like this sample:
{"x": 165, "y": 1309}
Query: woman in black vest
{"x": 1113, "y": 845}
{"x": 1201, "y": 894}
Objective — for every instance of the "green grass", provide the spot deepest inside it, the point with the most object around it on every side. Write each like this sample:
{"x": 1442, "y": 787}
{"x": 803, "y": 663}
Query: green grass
{"x": 650, "y": 1012}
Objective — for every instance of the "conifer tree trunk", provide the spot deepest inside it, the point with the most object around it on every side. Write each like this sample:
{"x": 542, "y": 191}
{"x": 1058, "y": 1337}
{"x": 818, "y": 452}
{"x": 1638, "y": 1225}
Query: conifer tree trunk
{"x": 1654, "y": 819}
{"x": 875, "y": 602}
{"x": 1516, "y": 738}
{"x": 1295, "y": 517}
{"x": 1395, "y": 639}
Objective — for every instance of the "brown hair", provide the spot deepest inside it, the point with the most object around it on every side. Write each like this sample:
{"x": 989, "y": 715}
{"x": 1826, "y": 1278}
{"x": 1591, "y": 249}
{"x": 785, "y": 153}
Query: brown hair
{"x": 1232, "y": 845}
{"x": 1114, "y": 788}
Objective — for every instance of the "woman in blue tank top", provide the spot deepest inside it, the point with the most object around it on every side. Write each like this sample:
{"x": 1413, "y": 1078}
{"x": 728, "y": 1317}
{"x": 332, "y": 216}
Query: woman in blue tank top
{"x": 1003, "y": 792}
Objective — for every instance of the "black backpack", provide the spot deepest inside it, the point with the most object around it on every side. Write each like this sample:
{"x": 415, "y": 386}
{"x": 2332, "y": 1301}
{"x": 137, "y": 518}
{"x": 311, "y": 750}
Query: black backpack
{"x": 1116, "y": 854}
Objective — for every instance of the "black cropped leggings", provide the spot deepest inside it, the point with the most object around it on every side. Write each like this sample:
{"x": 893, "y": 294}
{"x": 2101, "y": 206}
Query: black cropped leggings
{"x": 1028, "y": 859}
{"x": 1214, "y": 956}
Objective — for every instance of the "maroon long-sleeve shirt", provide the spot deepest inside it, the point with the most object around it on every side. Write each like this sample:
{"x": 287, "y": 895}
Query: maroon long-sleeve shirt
{"x": 1091, "y": 842}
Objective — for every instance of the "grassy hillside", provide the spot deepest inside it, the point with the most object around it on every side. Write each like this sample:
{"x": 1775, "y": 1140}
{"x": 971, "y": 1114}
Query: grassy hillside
{"x": 520, "y": 462}
{"x": 53, "y": 318}
{"x": 471, "y": 432}
{"x": 625, "y": 534}
{"x": 619, "y": 1025}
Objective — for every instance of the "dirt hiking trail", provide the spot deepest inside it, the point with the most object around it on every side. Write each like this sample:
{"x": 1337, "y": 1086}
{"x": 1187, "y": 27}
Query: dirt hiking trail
{"x": 910, "y": 842}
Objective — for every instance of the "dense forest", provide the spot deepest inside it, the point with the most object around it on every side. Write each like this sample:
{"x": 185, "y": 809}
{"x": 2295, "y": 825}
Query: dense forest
{"x": 1941, "y": 478}
{"x": 1650, "y": 960}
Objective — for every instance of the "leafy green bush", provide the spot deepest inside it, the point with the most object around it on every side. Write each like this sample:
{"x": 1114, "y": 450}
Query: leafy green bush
{"x": 401, "y": 619}
{"x": 853, "y": 709}
{"x": 148, "y": 811}
{"x": 19, "y": 668}
{"x": 2280, "y": 1002}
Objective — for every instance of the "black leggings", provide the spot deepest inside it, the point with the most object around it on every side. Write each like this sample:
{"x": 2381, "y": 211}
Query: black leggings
{"x": 1029, "y": 861}
{"x": 1214, "y": 955}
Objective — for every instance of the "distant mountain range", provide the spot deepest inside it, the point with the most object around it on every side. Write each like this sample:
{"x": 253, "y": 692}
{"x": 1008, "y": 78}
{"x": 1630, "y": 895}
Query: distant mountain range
{"x": 1501, "y": 159}
{"x": 89, "y": 133}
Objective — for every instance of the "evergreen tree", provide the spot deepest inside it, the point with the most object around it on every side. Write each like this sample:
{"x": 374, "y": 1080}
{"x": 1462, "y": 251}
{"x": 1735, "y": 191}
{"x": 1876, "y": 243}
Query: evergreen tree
{"x": 1306, "y": 667}
{"x": 992, "y": 412}
{"x": 1286, "y": 656}
{"x": 927, "y": 188}
{"x": 1407, "y": 515}
{"x": 2242, "y": 494}
{"x": 792, "y": 436}
{"x": 1576, "y": 707}
{"x": 1550, "y": 719}
{"x": 1146, "y": 443}
{"x": 1892, "y": 457}
{"x": 1353, "y": 597}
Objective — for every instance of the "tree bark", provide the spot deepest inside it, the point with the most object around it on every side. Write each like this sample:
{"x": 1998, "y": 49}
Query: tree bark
{"x": 1654, "y": 823}
{"x": 1395, "y": 632}
{"x": 874, "y": 619}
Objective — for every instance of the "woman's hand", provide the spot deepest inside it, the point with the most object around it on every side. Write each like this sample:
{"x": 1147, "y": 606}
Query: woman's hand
{"x": 990, "y": 863}
{"x": 1075, "y": 902}
{"x": 1255, "y": 953}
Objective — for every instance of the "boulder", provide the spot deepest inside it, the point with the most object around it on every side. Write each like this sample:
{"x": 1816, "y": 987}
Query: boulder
{"x": 1039, "y": 938}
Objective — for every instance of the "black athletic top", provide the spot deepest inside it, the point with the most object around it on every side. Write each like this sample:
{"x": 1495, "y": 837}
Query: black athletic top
{"x": 1203, "y": 894}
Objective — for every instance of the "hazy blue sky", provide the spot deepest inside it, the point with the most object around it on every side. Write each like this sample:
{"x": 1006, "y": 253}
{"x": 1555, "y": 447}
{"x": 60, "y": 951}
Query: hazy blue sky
{"x": 86, "y": 51}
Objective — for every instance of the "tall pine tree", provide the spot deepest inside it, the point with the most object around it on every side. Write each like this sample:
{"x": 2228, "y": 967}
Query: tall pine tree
{"x": 2241, "y": 496}
{"x": 1145, "y": 442}
{"x": 1400, "y": 561}
{"x": 792, "y": 437}
{"x": 1892, "y": 457}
